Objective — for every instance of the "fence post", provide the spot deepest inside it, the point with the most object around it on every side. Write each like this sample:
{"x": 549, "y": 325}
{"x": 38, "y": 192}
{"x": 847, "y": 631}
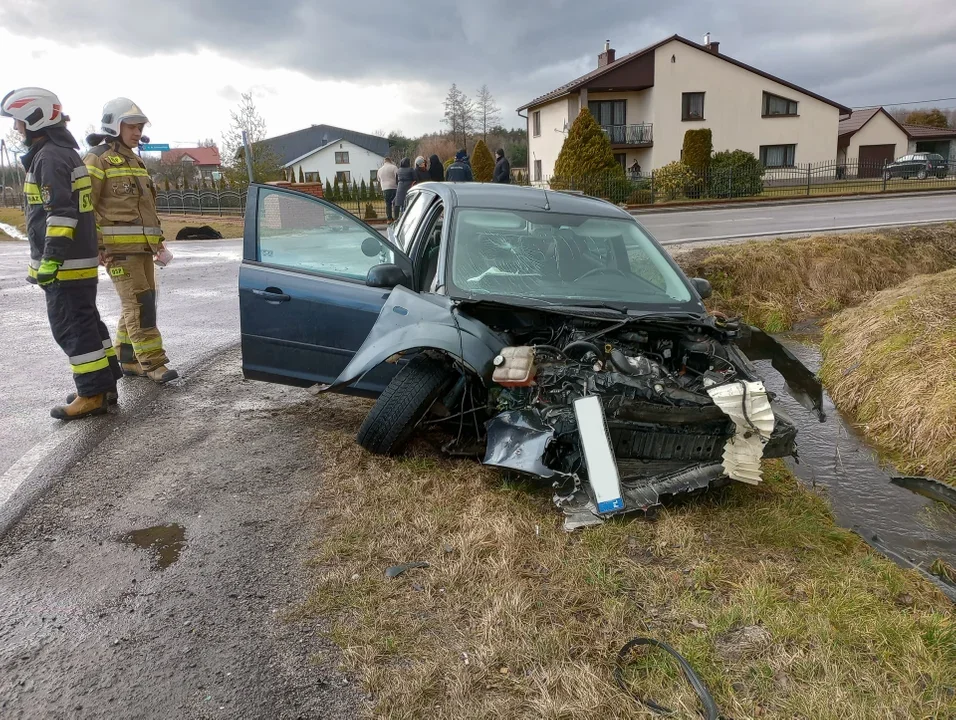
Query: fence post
{"x": 883, "y": 173}
{"x": 809, "y": 166}
{"x": 653, "y": 196}
{"x": 730, "y": 182}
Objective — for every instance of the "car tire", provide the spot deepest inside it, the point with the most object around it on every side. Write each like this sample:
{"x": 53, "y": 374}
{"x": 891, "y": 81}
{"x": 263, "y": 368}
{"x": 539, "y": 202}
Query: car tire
{"x": 921, "y": 175}
{"x": 402, "y": 406}
{"x": 941, "y": 176}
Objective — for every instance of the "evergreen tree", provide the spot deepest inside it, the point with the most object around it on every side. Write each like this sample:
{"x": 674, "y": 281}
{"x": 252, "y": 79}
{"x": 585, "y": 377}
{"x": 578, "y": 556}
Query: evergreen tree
{"x": 355, "y": 191}
{"x": 698, "y": 147}
{"x": 482, "y": 163}
{"x": 586, "y": 161}
{"x": 301, "y": 175}
{"x": 328, "y": 190}
{"x": 363, "y": 191}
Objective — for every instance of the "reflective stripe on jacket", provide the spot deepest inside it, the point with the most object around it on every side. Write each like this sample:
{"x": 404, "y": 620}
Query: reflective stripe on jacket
{"x": 124, "y": 199}
{"x": 60, "y": 222}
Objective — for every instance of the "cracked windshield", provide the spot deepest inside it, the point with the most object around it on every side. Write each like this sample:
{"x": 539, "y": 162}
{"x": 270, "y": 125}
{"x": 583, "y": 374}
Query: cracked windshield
{"x": 555, "y": 257}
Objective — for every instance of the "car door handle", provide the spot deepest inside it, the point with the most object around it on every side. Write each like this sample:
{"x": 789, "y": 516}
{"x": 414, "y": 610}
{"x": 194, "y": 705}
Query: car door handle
{"x": 271, "y": 295}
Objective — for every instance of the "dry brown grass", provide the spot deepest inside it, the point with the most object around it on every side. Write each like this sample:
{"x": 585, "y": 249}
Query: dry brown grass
{"x": 514, "y": 618}
{"x": 14, "y": 217}
{"x": 230, "y": 227}
{"x": 891, "y": 365}
{"x": 775, "y": 284}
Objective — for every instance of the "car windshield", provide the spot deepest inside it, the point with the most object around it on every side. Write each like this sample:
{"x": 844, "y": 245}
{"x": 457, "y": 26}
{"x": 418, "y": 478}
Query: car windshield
{"x": 560, "y": 258}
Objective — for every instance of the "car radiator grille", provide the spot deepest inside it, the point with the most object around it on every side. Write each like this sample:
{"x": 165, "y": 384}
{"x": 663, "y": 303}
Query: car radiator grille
{"x": 631, "y": 440}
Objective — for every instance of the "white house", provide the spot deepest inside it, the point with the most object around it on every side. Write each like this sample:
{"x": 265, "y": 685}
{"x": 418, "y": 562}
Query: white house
{"x": 325, "y": 152}
{"x": 646, "y": 100}
{"x": 872, "y": 137}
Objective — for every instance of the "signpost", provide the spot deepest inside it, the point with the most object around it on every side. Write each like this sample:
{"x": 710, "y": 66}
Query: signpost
{"x": 154, "y": 147}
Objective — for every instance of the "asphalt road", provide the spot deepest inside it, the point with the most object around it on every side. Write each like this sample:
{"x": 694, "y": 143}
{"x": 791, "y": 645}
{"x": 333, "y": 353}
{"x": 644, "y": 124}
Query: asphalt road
{"x": 763, "y": 220}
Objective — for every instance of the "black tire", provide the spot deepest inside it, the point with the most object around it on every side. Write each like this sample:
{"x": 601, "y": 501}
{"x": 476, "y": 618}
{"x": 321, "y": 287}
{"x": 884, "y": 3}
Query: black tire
{"x": 921, "y": 175}
{"x": 402, "y": 406}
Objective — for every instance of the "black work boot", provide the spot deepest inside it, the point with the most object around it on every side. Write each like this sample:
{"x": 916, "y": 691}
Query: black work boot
{"x": 81, "y": 407}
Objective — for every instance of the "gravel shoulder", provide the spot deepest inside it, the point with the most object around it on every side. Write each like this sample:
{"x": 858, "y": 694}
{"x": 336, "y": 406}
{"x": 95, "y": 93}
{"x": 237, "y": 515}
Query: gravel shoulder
{"x": 91, "y": 626}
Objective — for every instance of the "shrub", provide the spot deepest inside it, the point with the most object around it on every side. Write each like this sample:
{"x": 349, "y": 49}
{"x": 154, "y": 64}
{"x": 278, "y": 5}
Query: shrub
{"x": 448, "y": 162}
{"x": 363, "y": 191}
{"x": 370, "y": 213}
{"x": 586, "y": 162}
{"x": 698, "y": 147}
{"x": 329, "y": 195}
{"x": 672, "y": 180}
{"x": 735, "y": 173}
{"x": 482, "y": 163}
{"x": 301, "y": 175}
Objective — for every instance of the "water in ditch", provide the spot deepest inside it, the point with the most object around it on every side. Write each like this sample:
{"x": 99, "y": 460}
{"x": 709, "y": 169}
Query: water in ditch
{"x": 912, "y": 530}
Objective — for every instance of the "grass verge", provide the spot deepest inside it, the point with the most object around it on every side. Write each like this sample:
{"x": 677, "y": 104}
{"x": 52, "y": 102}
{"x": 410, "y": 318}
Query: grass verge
{"x": 783, "y": 614}
{"x": 230, "y": 227}
{"x": 14, "y": 217}
{"x": 891, "y": 365}
{"x": 775, "y": 284}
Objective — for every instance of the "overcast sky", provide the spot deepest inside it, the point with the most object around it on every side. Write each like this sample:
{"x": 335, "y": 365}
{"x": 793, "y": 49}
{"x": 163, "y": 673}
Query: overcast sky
{"x": 387, "y": 64}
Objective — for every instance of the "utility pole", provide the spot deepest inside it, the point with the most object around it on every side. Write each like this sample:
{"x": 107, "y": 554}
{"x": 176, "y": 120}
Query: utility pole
{"x": 245, "y": 144}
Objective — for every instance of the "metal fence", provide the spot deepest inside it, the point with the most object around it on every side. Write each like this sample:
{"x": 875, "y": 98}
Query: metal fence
{"x": 221, "y": 203}
{"x": 750, "y": 179}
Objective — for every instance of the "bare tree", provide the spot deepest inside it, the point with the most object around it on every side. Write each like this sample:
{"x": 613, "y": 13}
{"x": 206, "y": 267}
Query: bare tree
{"x": 265, "y": 164}
{"x": 460, "y": 116}
{"x": 488, "y": 114}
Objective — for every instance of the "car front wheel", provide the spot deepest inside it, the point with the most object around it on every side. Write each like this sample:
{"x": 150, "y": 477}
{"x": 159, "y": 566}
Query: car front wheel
{"x": 887, "y": 175}
{"x": 921, "y": 175}
{"x": 404, "y": 404}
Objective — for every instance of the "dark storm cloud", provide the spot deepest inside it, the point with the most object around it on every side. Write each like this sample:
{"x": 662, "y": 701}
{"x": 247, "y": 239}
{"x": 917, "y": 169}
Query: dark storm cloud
{"x": 866, "y": 51}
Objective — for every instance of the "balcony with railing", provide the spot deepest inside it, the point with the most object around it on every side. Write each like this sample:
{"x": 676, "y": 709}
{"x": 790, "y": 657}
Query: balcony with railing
{"x": 630, "y": 136}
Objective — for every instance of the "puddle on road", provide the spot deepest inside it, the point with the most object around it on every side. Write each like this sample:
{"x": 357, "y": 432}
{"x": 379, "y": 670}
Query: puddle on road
{"x": 162, "y": 542}
{"x": 912, "y": 530}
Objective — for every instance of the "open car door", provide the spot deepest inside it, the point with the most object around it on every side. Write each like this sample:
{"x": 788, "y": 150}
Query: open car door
{"x": 304, "y": 304}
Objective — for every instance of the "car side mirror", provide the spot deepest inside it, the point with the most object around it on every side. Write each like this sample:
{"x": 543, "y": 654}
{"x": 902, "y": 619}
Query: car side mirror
{"x": 371, "y": 247}
{"x": 702, "y": 287}
{"x": 386, "y": 275}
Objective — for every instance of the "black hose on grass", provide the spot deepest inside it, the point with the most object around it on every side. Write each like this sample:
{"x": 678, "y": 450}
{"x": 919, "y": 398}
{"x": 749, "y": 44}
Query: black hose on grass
{"x": 710, "y": 707}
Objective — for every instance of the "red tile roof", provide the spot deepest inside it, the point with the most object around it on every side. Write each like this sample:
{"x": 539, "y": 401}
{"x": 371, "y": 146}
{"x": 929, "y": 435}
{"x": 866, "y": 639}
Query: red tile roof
{"x": 200, "y": 156}
{"x": 926, "y": 132}
{"x": 584, "y": 79}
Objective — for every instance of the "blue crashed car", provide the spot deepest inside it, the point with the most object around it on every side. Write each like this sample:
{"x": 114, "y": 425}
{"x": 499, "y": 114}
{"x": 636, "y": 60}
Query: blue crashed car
{"x": 548, "y": 333}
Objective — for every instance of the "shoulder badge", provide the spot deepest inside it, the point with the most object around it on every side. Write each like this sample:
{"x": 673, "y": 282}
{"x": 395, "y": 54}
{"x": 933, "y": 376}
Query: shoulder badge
{"x": 46, "y": 192}
{"x": 115, "y": 159}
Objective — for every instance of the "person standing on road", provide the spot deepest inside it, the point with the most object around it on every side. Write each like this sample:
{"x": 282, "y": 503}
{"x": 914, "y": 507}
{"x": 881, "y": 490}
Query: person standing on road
{"x": 124, "y": 199}
{"x": 63, "y": 250}
{"x": 406, "y": 178}
{"x": 388, "y": 181}
{"x": 460, "y": 170}
{"x": 421, "y": 173}
{"x": 502, "y": 168}
{"x": 436, "y": 172}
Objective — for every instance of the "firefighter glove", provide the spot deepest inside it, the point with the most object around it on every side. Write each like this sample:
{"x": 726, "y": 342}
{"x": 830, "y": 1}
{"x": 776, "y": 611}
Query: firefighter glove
{"x": 47, "y": 271}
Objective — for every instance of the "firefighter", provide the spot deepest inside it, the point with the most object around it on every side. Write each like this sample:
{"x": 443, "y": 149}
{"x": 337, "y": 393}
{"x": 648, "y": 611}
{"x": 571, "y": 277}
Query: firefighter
{"x": 63, "y": 248}
{"x": 124, "y": 200}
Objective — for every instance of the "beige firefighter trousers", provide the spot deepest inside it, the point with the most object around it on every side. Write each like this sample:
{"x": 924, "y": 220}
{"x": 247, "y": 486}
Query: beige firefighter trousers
{"x": 137, "y": 338}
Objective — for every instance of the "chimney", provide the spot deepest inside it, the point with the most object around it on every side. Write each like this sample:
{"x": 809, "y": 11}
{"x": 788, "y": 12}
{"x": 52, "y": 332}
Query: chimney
{"x": 713, "y": 47}
{"x": 606, "y": 57}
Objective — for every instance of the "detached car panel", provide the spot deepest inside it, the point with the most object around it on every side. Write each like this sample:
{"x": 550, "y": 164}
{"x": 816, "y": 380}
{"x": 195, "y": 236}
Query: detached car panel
{"x": 520, "y": 314}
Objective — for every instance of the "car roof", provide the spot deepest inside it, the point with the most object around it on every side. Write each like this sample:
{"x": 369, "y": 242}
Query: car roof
{"x": 519, "y": 197}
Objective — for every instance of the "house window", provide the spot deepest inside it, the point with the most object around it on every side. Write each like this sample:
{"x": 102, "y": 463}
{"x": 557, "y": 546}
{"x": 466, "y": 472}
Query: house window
{"x": 772, "y": 156}
{"x": 776, "y": 106}
{"x": 609, "y": 112}
{"x": 372, "y": 177}
{"x": 312, "y": 177}
{"x": 536, "y": 123}
{"x": 621, "y": 158}
{"x": 537, "y": 171}
{"x": 692, "y": 106}
{"x": 341, "y": 158}
{"x": 343, "y": 176}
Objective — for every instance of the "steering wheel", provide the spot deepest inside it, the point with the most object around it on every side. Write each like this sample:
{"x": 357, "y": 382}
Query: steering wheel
{"x": 603, "y": 270}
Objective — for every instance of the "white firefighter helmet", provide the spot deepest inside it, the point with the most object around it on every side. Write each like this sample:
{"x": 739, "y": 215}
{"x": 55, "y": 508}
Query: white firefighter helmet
{"x": 121, "y": 110}
{"x": 36, "y": 107}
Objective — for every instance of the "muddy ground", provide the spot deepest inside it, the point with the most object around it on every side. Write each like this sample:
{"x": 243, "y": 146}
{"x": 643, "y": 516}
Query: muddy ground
{"x": 93, "y": 626}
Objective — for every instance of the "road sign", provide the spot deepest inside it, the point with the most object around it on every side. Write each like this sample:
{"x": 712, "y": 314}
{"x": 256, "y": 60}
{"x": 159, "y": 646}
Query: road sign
{"x": 153, "y": 147}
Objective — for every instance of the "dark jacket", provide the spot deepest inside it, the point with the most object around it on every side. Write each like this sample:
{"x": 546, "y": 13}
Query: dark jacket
{"x": 502, "y": 171}
{"x": 60, "y": 221}
{"x": 422, "y": 175}
{"x": 435, "y": 169}
{"x": 406, "y": 178}
{"x": 459, "y": 171}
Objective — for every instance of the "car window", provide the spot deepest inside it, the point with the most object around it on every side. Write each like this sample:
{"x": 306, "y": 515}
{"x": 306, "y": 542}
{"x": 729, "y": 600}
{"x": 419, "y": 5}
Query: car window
{"x": 414, "y": 210}
{"x": 300, "y": 233}
{"x": 560, "y": 258}
{"x": 905, "y": 158}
